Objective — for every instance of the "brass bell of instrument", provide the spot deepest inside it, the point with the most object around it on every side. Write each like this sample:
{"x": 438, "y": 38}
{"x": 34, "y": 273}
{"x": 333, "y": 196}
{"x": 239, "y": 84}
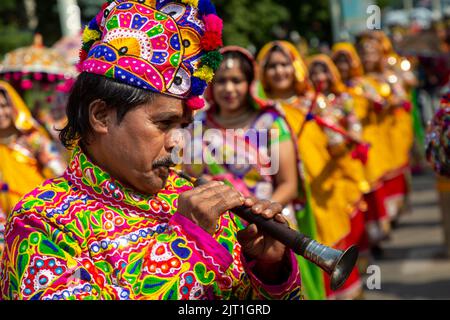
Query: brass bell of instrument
{"x": 338, "y": 264}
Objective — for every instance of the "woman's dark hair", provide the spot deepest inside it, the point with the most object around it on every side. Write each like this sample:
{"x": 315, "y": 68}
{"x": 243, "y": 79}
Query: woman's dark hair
{"x": 90, "y": 87}
{"x": 3, "y": 93}
{"x": 316, "y": 64}
{"x": 245, "y": 64}
{"x": 275, "y": 48}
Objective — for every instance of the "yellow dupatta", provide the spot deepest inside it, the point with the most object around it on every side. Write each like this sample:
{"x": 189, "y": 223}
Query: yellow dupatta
{"x": 379, "y": 155}
{"x": 312, "y": 276}
{"x": 402, "y": 135}
{"x": 395, "y": 122}
{"x": 351, "y": 183}
{"x": 347, "y": 49}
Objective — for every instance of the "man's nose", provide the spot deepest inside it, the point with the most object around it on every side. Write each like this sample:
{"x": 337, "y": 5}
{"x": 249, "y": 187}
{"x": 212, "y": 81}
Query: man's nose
{"x": 174, "y": 138}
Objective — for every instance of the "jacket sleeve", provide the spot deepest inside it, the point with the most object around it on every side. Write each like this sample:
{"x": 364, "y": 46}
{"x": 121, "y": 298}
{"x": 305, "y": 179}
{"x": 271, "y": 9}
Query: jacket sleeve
{"x": 248, "y": 286}
{"x": 43, "y": 262}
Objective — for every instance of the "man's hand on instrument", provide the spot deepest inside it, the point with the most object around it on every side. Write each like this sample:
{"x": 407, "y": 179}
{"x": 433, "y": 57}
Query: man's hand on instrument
{"x": 255, "y": 244}
{"x": 204, "y": 204}
{"x": 268, "y": 252}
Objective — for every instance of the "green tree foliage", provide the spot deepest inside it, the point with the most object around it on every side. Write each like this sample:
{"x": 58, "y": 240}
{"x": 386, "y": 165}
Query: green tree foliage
{"x": 15, "y": 30}
{"x": 89, "y": 9}
{"x": 257, "y": 22}
{"x": 248, "y": 22}
{"x": 49, "y": 24}
{"x": 13, "y": 27}
{"x": 310, "y": 18}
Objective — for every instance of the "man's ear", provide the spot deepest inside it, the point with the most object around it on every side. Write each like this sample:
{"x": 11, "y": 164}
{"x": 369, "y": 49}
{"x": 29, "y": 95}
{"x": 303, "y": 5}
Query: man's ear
{"x": 99, "y": 116}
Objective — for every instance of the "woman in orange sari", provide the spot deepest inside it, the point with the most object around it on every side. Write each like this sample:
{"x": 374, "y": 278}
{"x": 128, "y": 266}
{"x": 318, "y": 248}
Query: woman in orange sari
{"x": 284, "y": 79}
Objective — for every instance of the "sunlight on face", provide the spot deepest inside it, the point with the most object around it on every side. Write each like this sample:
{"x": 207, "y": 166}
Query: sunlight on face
{"x": 320, "y": 76}
{"x": 279, "y": 73}
{"x": 6, "y": 113}
{"x": 371, "y": 55}
{"x": 146, "y": 134}
{"x": 230, "y": 86}
{"x": 343, "y": 65}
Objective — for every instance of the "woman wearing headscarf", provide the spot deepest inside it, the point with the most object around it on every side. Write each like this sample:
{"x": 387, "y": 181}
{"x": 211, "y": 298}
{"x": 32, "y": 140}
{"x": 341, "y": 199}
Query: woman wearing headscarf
{"x": 235, "y": 110}
{"x": 284, "y": 79}
{"x": 394, "y": 119}
{"x": 337, "y": 106}
{"x": 366, "y": 99}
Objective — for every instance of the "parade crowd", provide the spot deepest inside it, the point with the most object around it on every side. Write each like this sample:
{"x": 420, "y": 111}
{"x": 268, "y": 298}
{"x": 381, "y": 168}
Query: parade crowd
{"x": 347, "y": 125}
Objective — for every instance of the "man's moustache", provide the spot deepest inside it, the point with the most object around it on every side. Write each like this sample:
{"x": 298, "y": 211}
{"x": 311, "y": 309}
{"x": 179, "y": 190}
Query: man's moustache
{"x": 163, "y": 162}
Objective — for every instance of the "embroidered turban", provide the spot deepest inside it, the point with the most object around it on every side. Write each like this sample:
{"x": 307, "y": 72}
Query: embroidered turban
{"x": 166, "y": 46}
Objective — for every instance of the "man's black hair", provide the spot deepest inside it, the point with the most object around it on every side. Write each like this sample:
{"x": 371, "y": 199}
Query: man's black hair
{"x": 88, "y": 88}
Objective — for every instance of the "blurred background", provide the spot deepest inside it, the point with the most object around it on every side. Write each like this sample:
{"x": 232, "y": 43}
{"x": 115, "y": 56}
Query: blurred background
{"x": 417, "y": 28}
{"x": 39, "y": 47}
{"x": 319, "y": 22}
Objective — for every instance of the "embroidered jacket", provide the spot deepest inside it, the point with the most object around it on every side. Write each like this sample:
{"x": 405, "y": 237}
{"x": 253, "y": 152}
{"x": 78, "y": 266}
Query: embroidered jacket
{"x": 85, "y": 236}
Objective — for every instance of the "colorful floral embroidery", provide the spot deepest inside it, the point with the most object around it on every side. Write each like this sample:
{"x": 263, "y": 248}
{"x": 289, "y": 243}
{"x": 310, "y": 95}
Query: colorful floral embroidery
{"x": 157, "y": 46}
{"x": 85, "y": 236}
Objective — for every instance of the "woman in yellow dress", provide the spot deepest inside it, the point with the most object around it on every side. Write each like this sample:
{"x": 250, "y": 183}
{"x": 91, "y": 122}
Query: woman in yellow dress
{"x": 367, "y": 100}
{"x": 402, "y": 80}
{"x": 284, "y": 79}
{"x": 394, "y": 117}
{"x": 28, "y": 156}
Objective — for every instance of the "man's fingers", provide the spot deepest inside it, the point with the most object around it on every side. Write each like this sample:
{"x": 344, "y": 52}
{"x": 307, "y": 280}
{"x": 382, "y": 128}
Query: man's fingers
{"x": 215, "y": 191}
{"x": 274, "y": 209}
{"x": 250, "y": 201}
{"x": 230, "y": 197}
{"x": 251, "y": 240}
{"x": 216, "y": 200}
{"x": 280, "y": 218}
{"x": 260, "y": 206}
{"x": 228, "y": 200}
{"x": 248, "y": 234}
{"x": 209, "y": 185}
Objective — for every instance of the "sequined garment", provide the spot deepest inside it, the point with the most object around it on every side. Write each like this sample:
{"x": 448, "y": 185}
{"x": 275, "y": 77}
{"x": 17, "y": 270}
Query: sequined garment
{"x": 250, "y": 174}
{"x": 85, "y": 236}
{"x": 438, "y": 138}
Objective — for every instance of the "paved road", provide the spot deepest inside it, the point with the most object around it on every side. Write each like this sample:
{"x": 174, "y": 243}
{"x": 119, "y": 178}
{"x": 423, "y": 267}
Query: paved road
{"x": 415, "y": 264}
